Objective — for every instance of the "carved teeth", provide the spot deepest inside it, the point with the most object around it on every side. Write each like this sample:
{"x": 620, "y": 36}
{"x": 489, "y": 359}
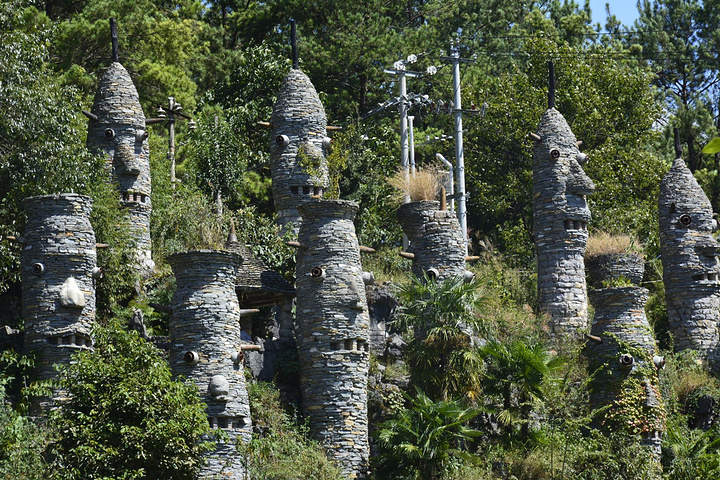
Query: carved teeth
{"x": 575, "y": 225}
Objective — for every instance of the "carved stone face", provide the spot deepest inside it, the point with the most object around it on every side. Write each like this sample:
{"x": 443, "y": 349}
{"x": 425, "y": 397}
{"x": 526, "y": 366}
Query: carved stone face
{"x": 119, "y": 131}
{"x": 560, "y": 183}
{"x": 686, "y": 225}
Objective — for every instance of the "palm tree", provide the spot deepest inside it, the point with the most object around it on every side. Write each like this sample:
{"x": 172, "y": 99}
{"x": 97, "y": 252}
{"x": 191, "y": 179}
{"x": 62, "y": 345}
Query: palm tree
{"x": 518, "y": 373}
{"x": 443, "y": 317}
{"x": 421, "y": 441}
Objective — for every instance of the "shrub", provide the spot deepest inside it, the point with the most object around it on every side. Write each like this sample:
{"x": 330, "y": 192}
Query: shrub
{"x": 125, "y": 417}
{"x": 424, "y": 185}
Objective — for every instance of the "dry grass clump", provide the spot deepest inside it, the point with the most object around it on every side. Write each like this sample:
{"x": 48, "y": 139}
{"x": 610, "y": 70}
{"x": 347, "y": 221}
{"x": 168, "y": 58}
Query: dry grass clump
{"x": 603, "y": 243}
{"x": 424, "y": 185}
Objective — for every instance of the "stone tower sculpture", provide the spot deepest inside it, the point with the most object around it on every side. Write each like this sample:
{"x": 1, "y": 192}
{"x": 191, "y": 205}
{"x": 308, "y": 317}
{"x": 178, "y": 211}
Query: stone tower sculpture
{"x": 58, "y": 270}
{"x": 205, "y": 349}
{"x": 116, "y": 128}
{"x": 623, "y": 362}
{"x": 436, "y": 240}
{"x": 332, "y": 332}
{"x": 689, "y": 256}
{"x": 299, "y": 145}
{"x": 560, "y": 218}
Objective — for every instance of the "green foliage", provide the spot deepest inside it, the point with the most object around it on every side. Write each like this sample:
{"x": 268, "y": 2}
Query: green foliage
{"x": 426, "y": 439}
{"x": 443, "y": 318}
{"x": 126, "y": 418}
{"x": 22, "y": 444}
{"x": 691, "y": 453}
{"x": 279, "y": 448}
{"x": 41, "y": 137}
{"x": 518, "y": 373}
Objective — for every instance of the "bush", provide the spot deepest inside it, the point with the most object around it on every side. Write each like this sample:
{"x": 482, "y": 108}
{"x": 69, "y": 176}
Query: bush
{"x": 126, "y": 418}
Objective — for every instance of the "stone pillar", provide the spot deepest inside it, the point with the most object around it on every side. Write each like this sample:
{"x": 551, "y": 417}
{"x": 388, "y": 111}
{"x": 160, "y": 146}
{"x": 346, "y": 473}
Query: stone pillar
{"x": 116, "y": 129}
{"x": 624, "y": 365}
{"x": 435, "y": 238}
{"x": 205, "y": 342}
{"x": 560, "y": 218}
{"x": 332, "y": 332}
{"x": 298, "y": 149}
{"x": 689, "y": 256}
{"x": 58, "y": 261}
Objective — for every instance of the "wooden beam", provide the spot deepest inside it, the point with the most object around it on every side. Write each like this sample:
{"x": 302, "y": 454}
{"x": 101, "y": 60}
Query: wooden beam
{"x": 365, "y": 249}
{"x": 472, "y": 258}
{"x": 248, "y": 311}
{"x": 594, "y": 338}
{"x": 294, "y": 244}
{"x": 407, "y": 255}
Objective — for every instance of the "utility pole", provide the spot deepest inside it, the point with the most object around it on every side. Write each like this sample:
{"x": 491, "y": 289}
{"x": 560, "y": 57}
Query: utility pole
{"x": 411, "y": 139}
{"x": 459, "y": 154}
{"x": 169, "y": 115}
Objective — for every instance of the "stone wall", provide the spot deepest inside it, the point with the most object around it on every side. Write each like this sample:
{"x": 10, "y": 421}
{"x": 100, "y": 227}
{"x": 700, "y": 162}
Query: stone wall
{"x": 120, "y": 134}
{"x": 624, "y": 372}
{"x": 58, "y": 289}
{"x": 560, "y": 218}
{"x": 205, "y": 342}
{"x": 332, "y": 332}
{"x": 435, "y": 238}
{"x": 690, "y": 263}
{"x": 298, "y": 148}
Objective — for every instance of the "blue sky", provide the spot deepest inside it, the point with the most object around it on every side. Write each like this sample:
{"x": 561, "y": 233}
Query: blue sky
{"x": 624, "y": 10}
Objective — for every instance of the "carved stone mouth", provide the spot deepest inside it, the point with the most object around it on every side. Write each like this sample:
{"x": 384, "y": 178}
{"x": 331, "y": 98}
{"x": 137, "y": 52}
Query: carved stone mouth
{"x": 707, "y": 277}
{"x": 580, "y": 225}
{"x": 134, "y": 197}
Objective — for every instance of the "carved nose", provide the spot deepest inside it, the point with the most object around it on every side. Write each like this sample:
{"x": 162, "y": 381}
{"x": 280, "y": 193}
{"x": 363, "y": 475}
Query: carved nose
{"x": 71, "y": 295}
{"x": 578, "y": 182}
{"x": 125, "y": 161}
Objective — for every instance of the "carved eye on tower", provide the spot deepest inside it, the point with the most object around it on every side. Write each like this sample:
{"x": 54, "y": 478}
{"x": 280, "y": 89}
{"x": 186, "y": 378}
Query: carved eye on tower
{"x": 685, "y": 220}
{"x": 109, "y": 133}
{"x": 555, "y": 153}
{"x": 282, "y": 141}
{"x": 38, "y": 268}
{"x": 317, "y": 273}
{"x": 141, "y": 136}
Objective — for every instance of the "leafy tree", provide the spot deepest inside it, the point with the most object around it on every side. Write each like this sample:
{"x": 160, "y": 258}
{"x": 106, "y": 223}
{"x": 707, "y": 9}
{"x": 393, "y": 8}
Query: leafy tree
{"x": 426, "y": 439}
{"x": 125, "y": 416}
{"x": 41, "y": 135}
{"x": 22, "y": 444}
{"x": 443, "y": 319}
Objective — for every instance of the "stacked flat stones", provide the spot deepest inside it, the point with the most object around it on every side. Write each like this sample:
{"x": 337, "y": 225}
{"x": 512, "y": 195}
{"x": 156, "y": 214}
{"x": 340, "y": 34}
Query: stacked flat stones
{"x": 205, "y": 349}
{"x": 297, "y": 154}
{"x": 689, "y": 256}
{"x": 435, "y": 237}
{"x": 614, "y": 266}
{"x": 58, "y": 290}
{"x": 119, "y": 133}
{"x": 332, "y": 332}
{"x": 620, "y": 321}
{"x": 560, "y": 218}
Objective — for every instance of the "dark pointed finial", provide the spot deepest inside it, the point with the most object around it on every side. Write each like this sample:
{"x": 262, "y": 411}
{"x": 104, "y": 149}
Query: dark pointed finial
{"x": 114, "y": 38}
{"x": 293, "y": 42}
{"x": 551, "y": 85}
{"x": 678, "y": 146}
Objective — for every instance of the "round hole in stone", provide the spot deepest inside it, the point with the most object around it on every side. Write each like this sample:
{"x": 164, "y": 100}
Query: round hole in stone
{"x": 555, "y": 153}
{"x": 109, "y": 133}
{"x": 38, "y": 268}
{"x": 191, "y": 357}
{"x": 282, "y": 141}
{"x": 685, "y": 220}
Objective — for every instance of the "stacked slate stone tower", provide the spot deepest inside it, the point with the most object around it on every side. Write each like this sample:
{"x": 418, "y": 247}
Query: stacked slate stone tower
{"x": 623, "y": 357}
{"x": 332, "y": 332}
{"x": 560, "y": 218}
{"x": 116, "y": 128}
{"x": 58, "y": 261}
{"x": 689, "y": 256}
{"x": 436, "y": 240}
{"x": 299, "y": 145}
{"x": 205, "y": 349}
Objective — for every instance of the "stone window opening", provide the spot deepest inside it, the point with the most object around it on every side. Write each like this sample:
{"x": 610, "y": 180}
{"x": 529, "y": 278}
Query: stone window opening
{"x": 294, "y": 190}
{"x": 306, "y": 190}
{"x": 71, "y": 340}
